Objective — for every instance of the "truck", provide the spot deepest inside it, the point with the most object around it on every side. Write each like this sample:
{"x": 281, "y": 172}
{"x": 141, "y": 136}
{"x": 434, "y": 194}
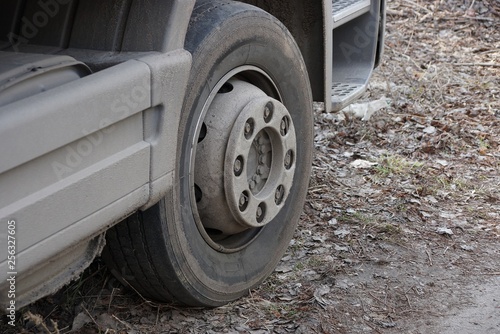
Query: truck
{"x": 173, "y": 138}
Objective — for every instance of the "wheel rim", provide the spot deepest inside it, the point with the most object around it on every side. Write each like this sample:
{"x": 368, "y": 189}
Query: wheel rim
{"x": 242, "y": 159}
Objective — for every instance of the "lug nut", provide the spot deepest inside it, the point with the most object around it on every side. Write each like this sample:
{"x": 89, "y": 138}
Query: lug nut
{"x": 279, "y": 194}
{"x": 284, "y": 125}
{"x": 252, "y": 184}
{"x": 288, "y": 159}
{"x": 238, "y": 166}
{"x": 248, "y": 128}
{"x": 261, "y": 212}
{"x": 243, "y": 201}
{"x": 268, "y": 112}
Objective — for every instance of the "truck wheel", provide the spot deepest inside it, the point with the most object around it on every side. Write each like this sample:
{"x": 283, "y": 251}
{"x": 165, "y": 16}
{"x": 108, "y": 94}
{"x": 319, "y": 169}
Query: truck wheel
{"x": 243, "y": 165}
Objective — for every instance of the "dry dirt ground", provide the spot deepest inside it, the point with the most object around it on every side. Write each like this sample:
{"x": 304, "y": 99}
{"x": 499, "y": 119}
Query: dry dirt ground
{"x": 401, "y": 229}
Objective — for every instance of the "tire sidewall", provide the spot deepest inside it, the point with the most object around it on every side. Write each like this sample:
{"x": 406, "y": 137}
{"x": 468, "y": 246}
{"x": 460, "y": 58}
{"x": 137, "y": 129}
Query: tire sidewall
{"x": 221, "y": 277}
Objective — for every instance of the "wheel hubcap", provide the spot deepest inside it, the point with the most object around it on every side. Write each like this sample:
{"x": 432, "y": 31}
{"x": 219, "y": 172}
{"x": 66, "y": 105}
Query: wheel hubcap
{"x": 244, "y": 164}
{"x": 264, "y": 151}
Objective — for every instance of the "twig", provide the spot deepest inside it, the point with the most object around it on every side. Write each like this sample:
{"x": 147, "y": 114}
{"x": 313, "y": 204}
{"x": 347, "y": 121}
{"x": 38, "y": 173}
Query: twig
{"x": 148, "y": 302}
{"x": 111, "y": 298}
{"x": 418, "y": 6}
{"x": 363, "y": 250}
{"x": 100, "y": 294}
{"x": 409, "y": 42}
{"x": 426, "y": 312}
{"x": 370, "y": 325}
{"x": 38, "y": 320}
{"x": 478, "y": 64}
{"x": 478, "y": 18}
{"x": 241, "y": 315}
{"x": 486, "y": 51}
{"x": 429, "y": 257}
{"x": 472, "y": 4}
{"x": 408, "y": 300}
{"x": 122, "y": 322}
{"x": 91, "y": 317}
{"x": 157, "y": 315}
{"x": 376, "y": 298}
{"x": 395, "y": 12}
{"x": 316, "y": 189}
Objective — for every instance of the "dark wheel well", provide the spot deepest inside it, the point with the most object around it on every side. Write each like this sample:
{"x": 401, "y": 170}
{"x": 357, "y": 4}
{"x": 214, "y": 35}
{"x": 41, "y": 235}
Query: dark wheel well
{"x": 305, "y": 21}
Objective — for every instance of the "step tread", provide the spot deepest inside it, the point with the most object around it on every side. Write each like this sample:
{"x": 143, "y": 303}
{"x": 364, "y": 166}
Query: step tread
{"x": 344, "y": 93}
{"x": 344, "y": 8}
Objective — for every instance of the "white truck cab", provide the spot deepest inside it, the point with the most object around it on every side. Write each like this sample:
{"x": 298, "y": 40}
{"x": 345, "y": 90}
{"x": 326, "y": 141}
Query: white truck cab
{"x": 174, "y": 138}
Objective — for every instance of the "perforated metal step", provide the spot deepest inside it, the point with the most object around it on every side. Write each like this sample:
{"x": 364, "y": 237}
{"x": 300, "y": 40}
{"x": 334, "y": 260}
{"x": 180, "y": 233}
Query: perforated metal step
{"x": 346, "y": 10}
{"x": 344, "y": 93}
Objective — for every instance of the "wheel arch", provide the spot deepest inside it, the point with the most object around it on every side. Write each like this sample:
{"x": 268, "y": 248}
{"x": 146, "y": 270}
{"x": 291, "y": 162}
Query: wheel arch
{"x": 306, "y": 22}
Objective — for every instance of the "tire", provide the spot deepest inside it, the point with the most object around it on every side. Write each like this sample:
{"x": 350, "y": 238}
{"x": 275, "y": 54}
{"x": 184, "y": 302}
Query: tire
{"x": 208, "y": 242}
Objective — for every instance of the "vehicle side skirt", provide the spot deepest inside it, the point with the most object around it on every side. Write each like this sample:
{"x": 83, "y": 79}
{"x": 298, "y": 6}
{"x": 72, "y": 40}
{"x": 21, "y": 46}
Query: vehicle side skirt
{"x": 101, "y": 148}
